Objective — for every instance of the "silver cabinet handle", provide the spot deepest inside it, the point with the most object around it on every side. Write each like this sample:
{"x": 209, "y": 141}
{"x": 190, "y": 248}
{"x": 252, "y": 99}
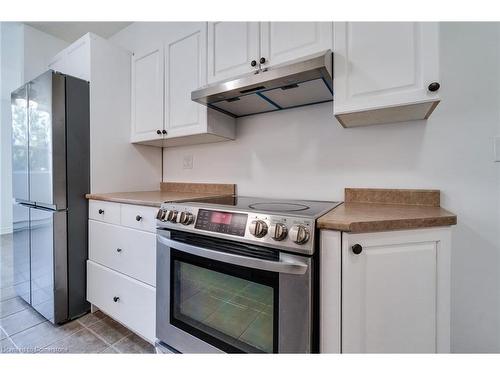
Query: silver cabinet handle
{"x": 282, "y": 266}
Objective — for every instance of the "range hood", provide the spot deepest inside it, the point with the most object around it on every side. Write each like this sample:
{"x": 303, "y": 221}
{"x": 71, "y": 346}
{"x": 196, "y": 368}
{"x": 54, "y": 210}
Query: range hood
{"x": 298, "y": 83}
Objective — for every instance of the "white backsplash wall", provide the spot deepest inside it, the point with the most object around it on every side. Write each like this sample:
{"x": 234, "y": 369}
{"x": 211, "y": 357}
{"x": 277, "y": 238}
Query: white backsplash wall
{"x": 304, "y": 153}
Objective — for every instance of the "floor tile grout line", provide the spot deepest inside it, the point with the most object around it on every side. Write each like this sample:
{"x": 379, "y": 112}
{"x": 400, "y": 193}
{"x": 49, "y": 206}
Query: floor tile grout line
{"x": 83, "y": 327}
{"x": 64, "y": 338}
{"x": 100, "y": 337}
{"x": 8, "y": 338}
{"x": 59, "y": 339}
{"x": 18, "y": 311}
{"x": 123, "y": 338}
{"x": 34, "y": 325}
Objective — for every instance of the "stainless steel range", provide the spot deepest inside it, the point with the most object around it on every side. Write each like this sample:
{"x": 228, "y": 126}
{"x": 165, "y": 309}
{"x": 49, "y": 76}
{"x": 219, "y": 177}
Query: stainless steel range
{"x": 237, "y": 274}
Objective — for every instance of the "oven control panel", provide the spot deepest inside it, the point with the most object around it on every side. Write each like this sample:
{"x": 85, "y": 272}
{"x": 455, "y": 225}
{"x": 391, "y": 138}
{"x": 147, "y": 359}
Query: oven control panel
{"x": 222, "y": 222}
{"x": 285, "y": 232}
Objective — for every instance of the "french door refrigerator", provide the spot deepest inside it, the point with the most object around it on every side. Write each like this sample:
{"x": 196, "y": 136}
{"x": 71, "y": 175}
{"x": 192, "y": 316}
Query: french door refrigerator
{"x": 51, "y": 175}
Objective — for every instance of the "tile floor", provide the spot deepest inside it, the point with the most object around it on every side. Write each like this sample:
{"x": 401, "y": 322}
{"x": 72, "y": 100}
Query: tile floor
{"x": 23, "y": 330}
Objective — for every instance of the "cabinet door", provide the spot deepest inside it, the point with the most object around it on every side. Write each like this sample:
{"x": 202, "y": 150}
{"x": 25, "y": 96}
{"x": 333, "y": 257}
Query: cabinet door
{"x": 147, "y": 95}
{"x": 384, "y": 64}
{"x": 284, "y": 41}
{"x": 231, "y": 48}
{"x": 395, "y": 292}
{"x": 185, "y": 70}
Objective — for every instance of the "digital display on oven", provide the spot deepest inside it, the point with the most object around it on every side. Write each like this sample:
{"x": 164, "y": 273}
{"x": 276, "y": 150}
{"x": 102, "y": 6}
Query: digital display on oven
{"x": 222, "y": 222}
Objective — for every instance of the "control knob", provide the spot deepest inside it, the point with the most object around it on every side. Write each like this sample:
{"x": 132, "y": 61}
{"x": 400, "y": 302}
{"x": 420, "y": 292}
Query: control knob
{"x": 161, "y": 215}
{"x": 299, "y": 234}
{"x": 172, "y": 216}
{"x": 258, "y": 228}
{"x": 278, "y": 231}
{"x": 186, "y": 218}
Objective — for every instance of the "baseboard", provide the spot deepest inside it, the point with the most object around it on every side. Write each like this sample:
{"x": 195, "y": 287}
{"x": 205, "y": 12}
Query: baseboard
{"x": 6, "y": 229}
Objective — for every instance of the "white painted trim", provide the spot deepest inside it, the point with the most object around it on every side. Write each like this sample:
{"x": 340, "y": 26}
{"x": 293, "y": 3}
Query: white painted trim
{"x": 6, "y": 229}
{"x": 330, "y": 291}
{"x": 443, "y": 302}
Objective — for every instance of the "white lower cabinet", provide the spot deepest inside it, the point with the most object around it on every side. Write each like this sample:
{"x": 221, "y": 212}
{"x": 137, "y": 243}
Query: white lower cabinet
{"x": 121, "y": 270}
{"x": 395, "y": 292}
{"x": 127, "y": 300}
{"x": 131, "y": 252}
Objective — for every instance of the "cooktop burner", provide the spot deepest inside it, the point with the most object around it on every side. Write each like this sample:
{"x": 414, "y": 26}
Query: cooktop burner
{"x": 304, "y": 208}
{"x": 278, "y": 207}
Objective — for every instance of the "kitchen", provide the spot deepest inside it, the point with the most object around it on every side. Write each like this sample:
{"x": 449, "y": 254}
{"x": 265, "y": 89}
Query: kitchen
{"x": 147, "y": 73}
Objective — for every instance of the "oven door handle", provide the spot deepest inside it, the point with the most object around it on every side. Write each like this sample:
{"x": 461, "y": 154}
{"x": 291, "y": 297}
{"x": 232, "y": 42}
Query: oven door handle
{"x": 283, "y": 266}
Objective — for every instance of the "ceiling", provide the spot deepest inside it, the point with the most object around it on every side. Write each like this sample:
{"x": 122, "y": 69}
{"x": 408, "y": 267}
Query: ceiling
{"x": 71, "y": 31}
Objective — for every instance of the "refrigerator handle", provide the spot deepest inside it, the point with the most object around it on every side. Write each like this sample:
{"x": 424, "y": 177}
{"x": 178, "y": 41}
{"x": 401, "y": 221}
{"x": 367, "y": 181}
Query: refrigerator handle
{"x": 24, "y": 204}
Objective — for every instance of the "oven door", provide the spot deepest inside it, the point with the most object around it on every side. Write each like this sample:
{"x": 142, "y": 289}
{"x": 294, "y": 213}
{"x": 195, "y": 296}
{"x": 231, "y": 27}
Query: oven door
{"x": 216, "y": 295}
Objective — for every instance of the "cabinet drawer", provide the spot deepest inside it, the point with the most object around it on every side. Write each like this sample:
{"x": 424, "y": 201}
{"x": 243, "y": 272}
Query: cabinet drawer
{"x": 127, "y": 300}
{"x": 108, "y": 212}
{"x": 139, "y": 217}
{"x": 125, "y": 250}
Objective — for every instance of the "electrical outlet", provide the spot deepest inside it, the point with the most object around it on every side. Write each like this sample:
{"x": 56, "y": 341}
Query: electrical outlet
{"x": 187, "y": 162}
{"x": 496, "y": 148}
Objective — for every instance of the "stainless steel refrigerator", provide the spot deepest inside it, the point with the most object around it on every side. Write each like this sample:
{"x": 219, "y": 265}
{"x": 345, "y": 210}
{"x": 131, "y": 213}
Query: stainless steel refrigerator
{"x": 51, "y": 174}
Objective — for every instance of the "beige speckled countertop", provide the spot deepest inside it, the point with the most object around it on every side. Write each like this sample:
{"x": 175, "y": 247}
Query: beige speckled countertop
{"x": 375, "y": 210}
{"x": 169, "y": 191}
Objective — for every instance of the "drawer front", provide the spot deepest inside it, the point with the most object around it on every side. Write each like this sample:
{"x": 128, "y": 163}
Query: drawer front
{"x": 127, "y": 300}
{"x": 139, "y": 217}
{"x": 107, "y": 212}
{"x": 125, "y": 250}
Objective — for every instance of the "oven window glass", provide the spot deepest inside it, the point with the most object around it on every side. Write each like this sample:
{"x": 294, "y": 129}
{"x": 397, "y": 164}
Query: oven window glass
{"x": 230, "y": 307}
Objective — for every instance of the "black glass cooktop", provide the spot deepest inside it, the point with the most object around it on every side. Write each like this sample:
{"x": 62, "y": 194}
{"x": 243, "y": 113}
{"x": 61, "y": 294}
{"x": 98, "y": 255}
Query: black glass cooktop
{"x": 310, "y": 209}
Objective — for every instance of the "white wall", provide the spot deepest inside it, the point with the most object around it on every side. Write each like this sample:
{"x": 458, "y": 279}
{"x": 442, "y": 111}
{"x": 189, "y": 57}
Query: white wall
{"x": 12, "y": 77}
{"x": 25, "y": 53}
{"x": 304, "y": 153}
{"x": 115, "y": 163}
{"x": 39, "y": 49}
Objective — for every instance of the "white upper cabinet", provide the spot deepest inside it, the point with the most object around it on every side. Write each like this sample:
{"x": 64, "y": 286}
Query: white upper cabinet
{"x": 162, "y": 81}
{"x": 285, "y": 41}
{"x": 232, "y": 46}
{"x": 186, "y": 70}
{"x": 236, "y": 48}
{"x": 396, "y": 292}
{"x": 385, "y": 71}
{"x": 147, "y": 94}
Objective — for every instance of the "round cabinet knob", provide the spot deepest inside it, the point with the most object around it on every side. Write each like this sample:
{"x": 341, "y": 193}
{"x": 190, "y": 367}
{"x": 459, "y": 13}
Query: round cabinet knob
{"x": 138, "y": 218}
{"x": 253, "y": 63}
{"x": 158, "y": 132}
{"x": 299, "y": 234}
{"x": 164, "y": 131}
{"x": 262, "y": 60}
{"x": 161, "y": 215}
{"x": 101, "y": 211}
{"x": 278, "y": 231}
{"x": 434, "y": 86}
{"x": 116, "y": 299}
{"x": 172, "y": 216}
{"x": 186, "y": 218}
{"x": 118, "y": 250}
{"x": 357, "y": 249}
{"x": 258, "y": 228}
